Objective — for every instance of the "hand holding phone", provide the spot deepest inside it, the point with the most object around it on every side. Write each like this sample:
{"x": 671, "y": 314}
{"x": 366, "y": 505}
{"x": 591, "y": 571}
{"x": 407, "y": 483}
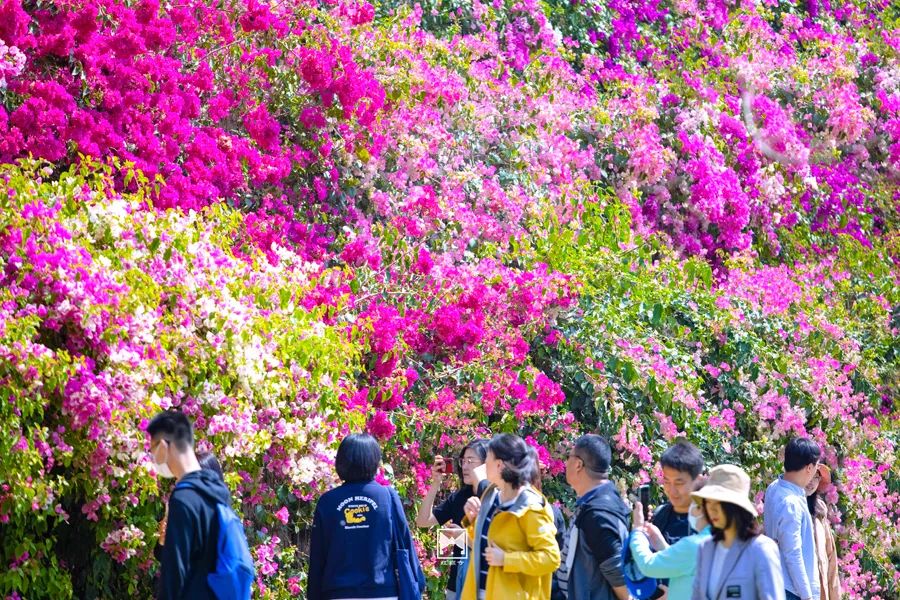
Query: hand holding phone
{"x": 644, "y": 497}
{"x": 439, "y": 468}
{"x": 448, "y": 466}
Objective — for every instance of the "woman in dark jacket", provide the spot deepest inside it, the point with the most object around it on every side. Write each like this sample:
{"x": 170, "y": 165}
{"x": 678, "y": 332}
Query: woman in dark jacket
{"x": 352, "y": 552}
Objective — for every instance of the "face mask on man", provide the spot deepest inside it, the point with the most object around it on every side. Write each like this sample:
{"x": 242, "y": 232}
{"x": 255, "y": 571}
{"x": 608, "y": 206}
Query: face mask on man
{"x": 162, "y": 468}
{"x": 692, "y": 521}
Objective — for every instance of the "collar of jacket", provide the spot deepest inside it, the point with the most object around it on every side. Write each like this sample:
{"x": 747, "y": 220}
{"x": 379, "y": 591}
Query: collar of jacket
{"x": 589, "y": 495}
{"x": 527, "y": 499}
{"x": 486, "y": 499}
{"x": 791, "y": 487}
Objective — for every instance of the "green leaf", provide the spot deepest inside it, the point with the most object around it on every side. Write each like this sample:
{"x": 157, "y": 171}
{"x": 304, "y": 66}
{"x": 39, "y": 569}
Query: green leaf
{"x": 657, "y": 314}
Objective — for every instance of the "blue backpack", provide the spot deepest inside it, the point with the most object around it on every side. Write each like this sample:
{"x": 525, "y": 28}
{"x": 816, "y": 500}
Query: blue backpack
{"x": 234, "y": 574}
{"x": 639, "y": 585}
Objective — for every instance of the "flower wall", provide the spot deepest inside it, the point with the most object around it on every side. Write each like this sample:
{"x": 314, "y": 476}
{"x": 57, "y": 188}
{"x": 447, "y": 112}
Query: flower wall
{"x": 294, "y": 220}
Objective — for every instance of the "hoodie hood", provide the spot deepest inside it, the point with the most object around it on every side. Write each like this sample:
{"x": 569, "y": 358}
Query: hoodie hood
{"x": 528, "y": 499}
{"x": 208, "y": 484}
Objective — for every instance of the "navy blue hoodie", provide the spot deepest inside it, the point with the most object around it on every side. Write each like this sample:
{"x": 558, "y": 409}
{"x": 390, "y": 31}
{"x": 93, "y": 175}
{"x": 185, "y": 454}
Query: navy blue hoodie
{"x": 192, "y": 534}
{"x": 351, "y": 553}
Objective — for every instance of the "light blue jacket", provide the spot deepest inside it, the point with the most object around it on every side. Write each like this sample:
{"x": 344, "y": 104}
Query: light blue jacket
{"x": 750, "y": 571}
{"x": 787, "y": 521}
{"x": 677, "y": 563}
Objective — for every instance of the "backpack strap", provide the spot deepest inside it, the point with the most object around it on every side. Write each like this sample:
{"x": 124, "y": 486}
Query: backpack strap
{"x": 186, "y": 485}
{"x": 395, "y": 519}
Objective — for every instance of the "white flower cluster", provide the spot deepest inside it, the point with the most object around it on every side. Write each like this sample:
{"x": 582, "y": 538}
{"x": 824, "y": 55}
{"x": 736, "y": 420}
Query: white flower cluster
{"x": 12, "y": 63}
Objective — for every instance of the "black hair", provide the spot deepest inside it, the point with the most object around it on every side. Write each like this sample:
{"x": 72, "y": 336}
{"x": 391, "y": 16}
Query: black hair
{"x": 358, "y": 458}
{"x": 595, "y": 453}
{"x": 747, "y": 525}
{"x": 536, "y": 474}
{"x": 683, "y": 456}
{"x": 479, "y": 447}
{"x": 173, "y": 426}
{"x": 514, "y": 452}
{"x": 812, "y": 502}
{"x": 799, "y": 453}
{"x": 209, "y": 462}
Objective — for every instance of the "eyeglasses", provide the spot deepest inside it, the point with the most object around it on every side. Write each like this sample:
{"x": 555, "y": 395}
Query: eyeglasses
{"x": 471, "y": 461}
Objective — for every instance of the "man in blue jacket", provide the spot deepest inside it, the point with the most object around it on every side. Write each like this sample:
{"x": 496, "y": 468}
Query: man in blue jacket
{"x": 189, "y": 553}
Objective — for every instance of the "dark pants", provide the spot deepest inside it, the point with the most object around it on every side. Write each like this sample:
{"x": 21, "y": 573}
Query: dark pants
{"x": 791, "y": 596}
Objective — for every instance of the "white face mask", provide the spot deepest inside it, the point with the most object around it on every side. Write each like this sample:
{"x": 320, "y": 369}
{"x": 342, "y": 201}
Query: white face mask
{"x": 692, "y": 521}
{"x": 162, "y": 468}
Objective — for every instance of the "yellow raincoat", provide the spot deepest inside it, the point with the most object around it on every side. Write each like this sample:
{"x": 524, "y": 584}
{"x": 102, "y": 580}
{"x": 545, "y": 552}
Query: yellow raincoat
{"x": 526, "y": 533}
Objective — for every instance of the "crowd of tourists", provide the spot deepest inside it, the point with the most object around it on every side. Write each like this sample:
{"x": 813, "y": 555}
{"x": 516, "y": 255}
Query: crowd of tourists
{"x": 706, "y": 542}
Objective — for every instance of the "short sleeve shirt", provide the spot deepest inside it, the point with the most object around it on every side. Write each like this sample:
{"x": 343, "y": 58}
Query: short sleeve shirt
{"x": 673, "y": 525}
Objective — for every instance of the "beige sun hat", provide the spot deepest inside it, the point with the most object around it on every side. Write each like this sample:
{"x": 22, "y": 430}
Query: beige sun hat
{"x": 727, "y": 483}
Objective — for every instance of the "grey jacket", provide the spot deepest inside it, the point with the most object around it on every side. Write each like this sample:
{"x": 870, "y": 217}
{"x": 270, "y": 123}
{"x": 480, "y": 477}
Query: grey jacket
{"x": 751, "y": 571}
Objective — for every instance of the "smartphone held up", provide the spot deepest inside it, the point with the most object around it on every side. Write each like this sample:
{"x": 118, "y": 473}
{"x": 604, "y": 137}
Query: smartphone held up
{"x": 644, "y": 497}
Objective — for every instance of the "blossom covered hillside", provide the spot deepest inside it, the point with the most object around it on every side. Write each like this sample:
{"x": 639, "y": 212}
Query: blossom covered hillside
{"x": 435, "y": 221}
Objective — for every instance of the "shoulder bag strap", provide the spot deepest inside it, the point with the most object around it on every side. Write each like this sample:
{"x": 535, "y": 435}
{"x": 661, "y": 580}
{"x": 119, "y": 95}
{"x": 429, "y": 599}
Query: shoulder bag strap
{"x": 396, "y": 542}
{"x": 723, "y": 580}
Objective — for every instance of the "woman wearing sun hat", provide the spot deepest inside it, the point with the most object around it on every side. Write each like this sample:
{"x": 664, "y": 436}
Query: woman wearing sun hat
{"x": 737, "y": 561}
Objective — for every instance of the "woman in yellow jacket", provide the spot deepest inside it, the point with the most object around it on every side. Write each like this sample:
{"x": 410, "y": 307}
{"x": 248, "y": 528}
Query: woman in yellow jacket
{"x": 513, "y": 539}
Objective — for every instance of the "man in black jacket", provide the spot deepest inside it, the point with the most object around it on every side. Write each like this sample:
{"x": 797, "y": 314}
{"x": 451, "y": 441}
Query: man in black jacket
{"x": 591, "y": 566}
{"x": 189, "y": 552}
